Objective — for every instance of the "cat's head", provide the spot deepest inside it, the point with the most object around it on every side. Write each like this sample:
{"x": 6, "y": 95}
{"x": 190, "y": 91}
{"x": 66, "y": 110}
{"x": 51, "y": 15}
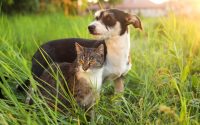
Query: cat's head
{"x": 89, "y": 58}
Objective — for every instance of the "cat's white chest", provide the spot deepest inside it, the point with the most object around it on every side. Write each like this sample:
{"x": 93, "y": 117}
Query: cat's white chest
{"x": 94, "y": 77}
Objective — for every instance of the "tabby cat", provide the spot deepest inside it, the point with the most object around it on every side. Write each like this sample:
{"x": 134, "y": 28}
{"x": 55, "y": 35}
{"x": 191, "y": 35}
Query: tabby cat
{"x": 82, "y": 79}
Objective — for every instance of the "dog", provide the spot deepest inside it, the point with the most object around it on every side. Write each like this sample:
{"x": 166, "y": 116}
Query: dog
{"x": 110, "y": 28}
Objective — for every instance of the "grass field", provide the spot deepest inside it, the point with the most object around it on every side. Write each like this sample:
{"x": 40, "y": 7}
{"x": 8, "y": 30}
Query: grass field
{"x": 163, "y": 86}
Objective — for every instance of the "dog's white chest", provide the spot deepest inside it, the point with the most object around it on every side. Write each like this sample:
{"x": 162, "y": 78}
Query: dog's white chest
{"x": 117, "y": 59}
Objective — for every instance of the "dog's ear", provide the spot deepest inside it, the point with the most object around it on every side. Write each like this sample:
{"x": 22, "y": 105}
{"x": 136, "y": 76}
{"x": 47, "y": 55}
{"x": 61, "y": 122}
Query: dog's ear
{"x": 134, "y": 20}
{"x": 79, "y": 48}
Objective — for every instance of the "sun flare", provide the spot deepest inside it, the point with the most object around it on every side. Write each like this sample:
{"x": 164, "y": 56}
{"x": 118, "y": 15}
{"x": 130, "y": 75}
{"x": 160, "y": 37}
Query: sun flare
{"x": 158, "y": 1}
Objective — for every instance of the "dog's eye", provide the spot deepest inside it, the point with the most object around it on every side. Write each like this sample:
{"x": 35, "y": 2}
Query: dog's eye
{"x": 108, "y": 17}
{"x": 97, "y": 18}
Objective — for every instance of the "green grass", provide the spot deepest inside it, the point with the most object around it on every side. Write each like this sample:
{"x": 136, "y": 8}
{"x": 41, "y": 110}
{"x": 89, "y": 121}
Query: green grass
{"x": 163, "y": 86}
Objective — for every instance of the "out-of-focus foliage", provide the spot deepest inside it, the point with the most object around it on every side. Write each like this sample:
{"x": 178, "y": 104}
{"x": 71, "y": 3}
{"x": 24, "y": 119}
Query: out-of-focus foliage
{"x": 71, "y": 7}
{"x": 68, "y": 6}
{"x": 162, "y": 87}
{"x": 9, "y": 6}
{"x": 112, "y": 2}
{"x": 9, "y": 2}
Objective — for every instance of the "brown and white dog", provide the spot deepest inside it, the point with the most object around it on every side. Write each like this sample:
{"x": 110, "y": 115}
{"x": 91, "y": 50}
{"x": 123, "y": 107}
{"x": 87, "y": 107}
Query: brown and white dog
{"x": 111, "y": 28}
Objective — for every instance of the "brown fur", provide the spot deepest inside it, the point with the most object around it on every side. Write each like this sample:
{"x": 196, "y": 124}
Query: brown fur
{"x": 119, "y": 85}
{"x": 69, "y": 84}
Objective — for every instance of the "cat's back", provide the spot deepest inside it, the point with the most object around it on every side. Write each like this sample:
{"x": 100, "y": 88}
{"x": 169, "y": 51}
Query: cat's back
{"x": 65, "y": 72}
{"x": 64, "y": 68}
{"x": 57, "y": 72}
{"x": 53, "y": 80}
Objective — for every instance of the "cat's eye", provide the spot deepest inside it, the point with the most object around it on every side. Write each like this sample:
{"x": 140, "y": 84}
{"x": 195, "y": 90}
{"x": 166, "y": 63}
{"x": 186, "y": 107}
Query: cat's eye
{"x": 92, "y": 62}
{"x": 81, "y": 61}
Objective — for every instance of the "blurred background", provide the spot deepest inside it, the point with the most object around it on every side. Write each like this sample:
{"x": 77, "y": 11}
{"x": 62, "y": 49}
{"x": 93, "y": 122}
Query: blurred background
{"x": 147, "y": 8}
{"x": 163, "y": 86}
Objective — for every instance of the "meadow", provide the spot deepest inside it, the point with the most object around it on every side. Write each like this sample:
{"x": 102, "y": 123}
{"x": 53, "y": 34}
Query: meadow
{"x": 163, "y": 86}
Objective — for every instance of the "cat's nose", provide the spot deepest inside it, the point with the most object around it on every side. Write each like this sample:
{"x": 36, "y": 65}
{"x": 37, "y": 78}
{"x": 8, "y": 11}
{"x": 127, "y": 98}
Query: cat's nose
{"x": 85, "y": 68}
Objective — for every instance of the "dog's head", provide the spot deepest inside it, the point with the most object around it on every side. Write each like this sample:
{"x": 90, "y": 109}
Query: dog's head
{"x": 112, "y": 22}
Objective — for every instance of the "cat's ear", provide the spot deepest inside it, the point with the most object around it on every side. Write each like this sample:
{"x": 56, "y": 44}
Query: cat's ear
{"x": 79, "y": 48}
{"x": 100, "y": 49}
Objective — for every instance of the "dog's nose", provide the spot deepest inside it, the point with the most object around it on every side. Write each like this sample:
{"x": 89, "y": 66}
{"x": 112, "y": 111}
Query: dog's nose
{"x": 91, "y": 28}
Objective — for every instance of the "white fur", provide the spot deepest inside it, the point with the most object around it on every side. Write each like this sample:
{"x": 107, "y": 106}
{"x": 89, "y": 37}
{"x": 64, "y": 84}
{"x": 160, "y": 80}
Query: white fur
{"x": 118, "y": 49}
{"x": 105, "y": 33}
{"x": 93, "y": 76}
{"x": 97, "y": 13}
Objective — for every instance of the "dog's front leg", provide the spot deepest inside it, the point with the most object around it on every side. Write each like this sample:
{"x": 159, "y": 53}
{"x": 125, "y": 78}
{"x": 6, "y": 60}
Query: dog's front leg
{"x": 119, "y": 85}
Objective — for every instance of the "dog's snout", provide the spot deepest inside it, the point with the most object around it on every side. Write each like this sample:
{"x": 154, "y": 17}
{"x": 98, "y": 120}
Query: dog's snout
{"x": 91, "y": 28}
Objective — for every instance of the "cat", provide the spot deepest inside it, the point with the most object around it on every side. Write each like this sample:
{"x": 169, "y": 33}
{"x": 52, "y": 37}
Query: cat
{"x": 82, "y": 79}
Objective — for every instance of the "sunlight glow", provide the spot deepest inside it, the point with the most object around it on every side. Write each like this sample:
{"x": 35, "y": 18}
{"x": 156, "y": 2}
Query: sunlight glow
{"x": 158, "y": 1}
{"x": 92, "y": 1}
